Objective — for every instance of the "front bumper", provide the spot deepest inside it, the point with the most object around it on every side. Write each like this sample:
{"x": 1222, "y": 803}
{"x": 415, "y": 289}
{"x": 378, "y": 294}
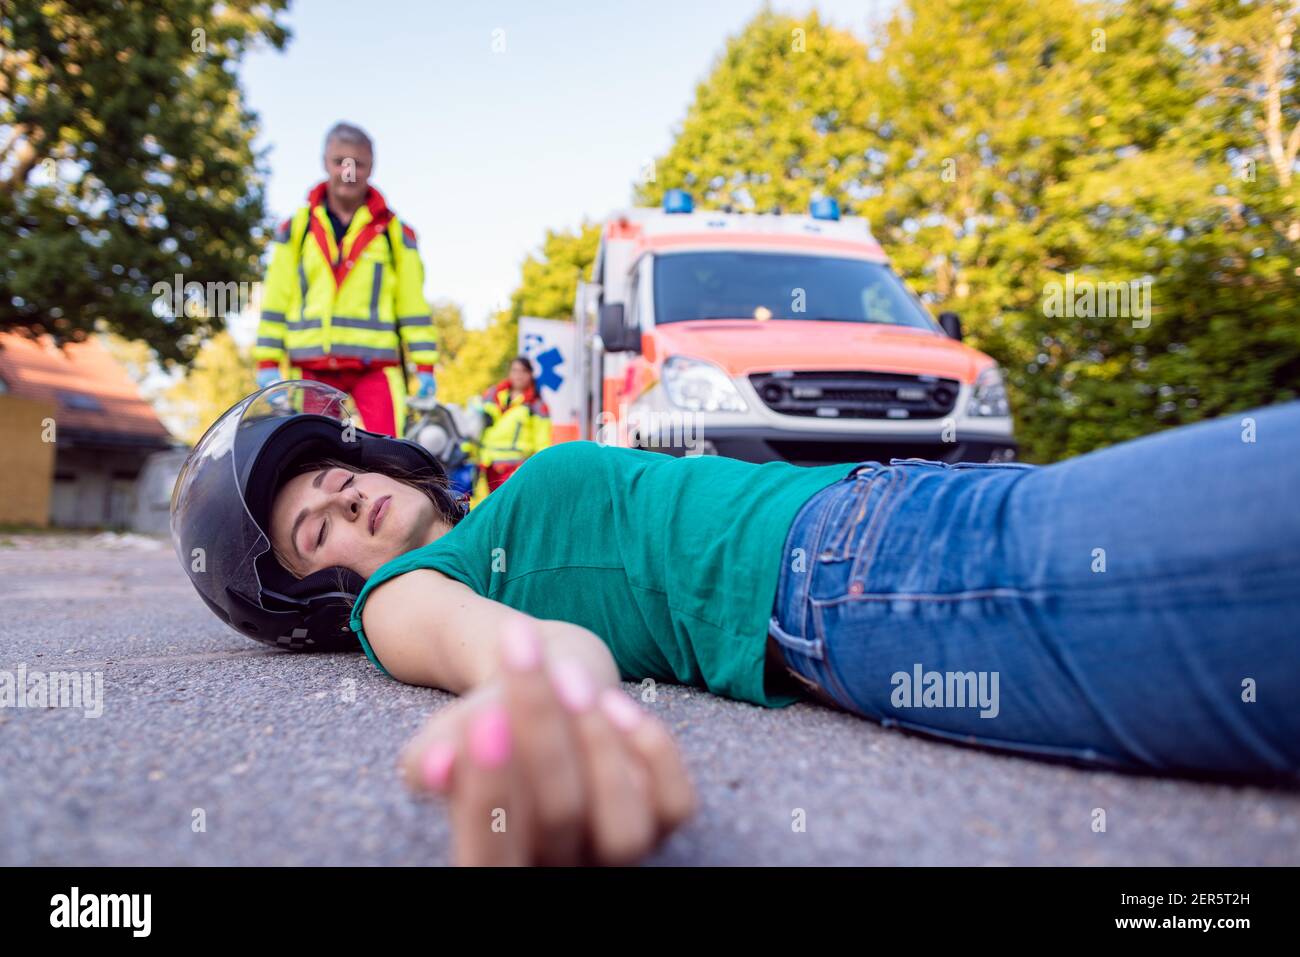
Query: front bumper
{"x": 761, "y": 435}
{"x": 765, "y": 444}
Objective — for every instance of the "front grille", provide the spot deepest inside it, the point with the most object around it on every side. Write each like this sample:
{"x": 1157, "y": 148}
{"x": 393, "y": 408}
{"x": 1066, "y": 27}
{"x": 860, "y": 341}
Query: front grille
{"x": 851, "y": 394}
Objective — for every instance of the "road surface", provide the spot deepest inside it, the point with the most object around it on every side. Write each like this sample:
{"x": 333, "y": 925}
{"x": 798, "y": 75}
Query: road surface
{"x": 211, "y": 749}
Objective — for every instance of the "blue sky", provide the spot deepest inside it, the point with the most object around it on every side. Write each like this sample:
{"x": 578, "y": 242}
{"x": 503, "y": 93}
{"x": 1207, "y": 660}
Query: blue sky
{"x": 482, "y": 151}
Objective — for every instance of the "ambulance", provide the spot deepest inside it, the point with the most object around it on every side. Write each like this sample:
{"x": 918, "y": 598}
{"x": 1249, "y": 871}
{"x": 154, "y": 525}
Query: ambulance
{"x": 770, "y": 337}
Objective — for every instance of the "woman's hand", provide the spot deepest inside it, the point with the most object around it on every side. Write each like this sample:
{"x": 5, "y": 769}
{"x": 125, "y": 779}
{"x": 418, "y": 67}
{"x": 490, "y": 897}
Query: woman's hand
{"x": 539, "y": 766}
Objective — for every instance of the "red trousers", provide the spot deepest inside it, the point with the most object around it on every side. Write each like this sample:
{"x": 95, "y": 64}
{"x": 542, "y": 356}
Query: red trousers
{"x": 378, "y": 391}
{"x": 498, "y": 472}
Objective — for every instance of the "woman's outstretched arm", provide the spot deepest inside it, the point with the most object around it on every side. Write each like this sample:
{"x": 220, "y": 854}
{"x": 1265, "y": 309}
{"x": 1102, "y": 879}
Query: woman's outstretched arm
{"x": 542, "y": 732}
{"x": 429, "y": 629}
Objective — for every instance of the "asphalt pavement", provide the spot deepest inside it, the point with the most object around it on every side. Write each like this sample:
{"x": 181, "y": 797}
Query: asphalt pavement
{"x": 210, "y": 749}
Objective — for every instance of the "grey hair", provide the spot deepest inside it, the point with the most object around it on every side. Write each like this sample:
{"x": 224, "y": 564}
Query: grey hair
{"x": 349, "y": 134}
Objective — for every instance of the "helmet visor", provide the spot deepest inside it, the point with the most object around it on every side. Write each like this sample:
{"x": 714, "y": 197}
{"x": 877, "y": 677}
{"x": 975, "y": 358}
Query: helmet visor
{"x": 215, "y": 535}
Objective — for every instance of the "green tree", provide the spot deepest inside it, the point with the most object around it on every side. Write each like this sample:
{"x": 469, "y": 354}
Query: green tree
{"x": 547, "y": 287}
{"x": 982, "y": 107}
{"x": 480, "y": 361}
{"x": 449, "y": 320}
{"x": 1000, "y": 146}
{"x": 783, "y": 116}
{"x": 125, "y": 160}
{"x": 220, "y": 375}
{"x": 549, "y": 280}
{"x": 1024, "y": 142}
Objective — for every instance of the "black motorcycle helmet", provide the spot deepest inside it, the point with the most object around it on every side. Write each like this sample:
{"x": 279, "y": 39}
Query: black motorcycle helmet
{"x": 221, "y": 504}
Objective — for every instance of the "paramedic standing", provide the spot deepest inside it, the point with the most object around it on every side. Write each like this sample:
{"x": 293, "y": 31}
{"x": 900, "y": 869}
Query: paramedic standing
{"x": 516, "y": 423}
{"x": 344, "y": 293}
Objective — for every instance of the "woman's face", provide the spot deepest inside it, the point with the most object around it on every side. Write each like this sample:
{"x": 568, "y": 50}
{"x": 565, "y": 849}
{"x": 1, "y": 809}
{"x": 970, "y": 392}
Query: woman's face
{"x": 520, "y": 378}
{"x": 358, "y": 520}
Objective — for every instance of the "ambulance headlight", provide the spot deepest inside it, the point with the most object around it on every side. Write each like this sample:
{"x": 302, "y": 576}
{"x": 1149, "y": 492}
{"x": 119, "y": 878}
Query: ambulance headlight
{"x": 699, "y": 386}
{"x": 989, "y": 397}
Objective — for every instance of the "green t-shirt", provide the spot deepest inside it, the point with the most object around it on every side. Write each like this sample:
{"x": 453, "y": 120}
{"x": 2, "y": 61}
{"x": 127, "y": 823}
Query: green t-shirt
{"x": 673, "y": 562}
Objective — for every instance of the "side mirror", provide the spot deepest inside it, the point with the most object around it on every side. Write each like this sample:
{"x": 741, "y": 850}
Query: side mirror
{"x": 614, "y": 332}
{"x": 951, "y": 324}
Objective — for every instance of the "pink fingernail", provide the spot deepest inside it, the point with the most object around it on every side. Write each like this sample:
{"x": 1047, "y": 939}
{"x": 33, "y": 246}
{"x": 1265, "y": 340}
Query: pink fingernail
{"x": 489, "y": 738}
{"x": 520, "y": 645}
{"x": 573, "y": 686}
{"x": 435, "y": 767}
{"x": 620, "y": 709}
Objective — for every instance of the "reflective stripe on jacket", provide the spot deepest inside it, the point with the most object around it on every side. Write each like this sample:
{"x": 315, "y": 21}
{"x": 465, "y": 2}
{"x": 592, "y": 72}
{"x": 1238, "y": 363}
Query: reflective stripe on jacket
{"x": 517, "y": 425}
{"x": 342, "y": 305}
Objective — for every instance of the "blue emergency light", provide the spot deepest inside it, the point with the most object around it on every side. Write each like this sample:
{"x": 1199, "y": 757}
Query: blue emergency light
{"x": 678, "y": 201}
{"x": 824, "y": 208}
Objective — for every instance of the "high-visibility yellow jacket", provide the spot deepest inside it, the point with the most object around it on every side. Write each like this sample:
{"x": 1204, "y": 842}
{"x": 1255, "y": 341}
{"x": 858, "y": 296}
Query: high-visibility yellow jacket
{"x": 516, "y": 426}
{"x": 345, "y": 305}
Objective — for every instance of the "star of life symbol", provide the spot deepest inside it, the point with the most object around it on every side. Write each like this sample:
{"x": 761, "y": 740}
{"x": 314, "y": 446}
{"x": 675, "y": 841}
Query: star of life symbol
{"x": 548, "y": 362}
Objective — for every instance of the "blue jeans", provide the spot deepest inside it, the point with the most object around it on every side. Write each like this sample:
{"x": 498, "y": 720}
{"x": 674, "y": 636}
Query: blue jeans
{"x": 1137, "y": 607}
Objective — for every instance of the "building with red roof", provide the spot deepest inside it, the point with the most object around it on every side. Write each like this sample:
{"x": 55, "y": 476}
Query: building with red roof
{"x": 76, "y": 432}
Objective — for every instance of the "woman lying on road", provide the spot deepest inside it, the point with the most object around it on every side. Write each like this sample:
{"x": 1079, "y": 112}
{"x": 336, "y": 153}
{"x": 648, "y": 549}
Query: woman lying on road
{"x": 1134, "y": 608}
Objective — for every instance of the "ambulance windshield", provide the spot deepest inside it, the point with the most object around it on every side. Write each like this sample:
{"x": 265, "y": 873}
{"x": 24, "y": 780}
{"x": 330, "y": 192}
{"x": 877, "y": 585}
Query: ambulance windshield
{"x": 761, "y": 286}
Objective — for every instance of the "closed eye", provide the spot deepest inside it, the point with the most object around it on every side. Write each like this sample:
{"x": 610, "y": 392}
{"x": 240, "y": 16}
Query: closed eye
{"x": 320, "y": 538}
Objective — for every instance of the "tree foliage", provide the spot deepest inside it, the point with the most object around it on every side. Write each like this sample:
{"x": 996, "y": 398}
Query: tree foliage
{"x": 783, "y": 117}
{"x": 1001, "y": 147}
{"x": 548, "y": 283}
{"x": 220, "y": 375}
{"x": 126, "y": 160}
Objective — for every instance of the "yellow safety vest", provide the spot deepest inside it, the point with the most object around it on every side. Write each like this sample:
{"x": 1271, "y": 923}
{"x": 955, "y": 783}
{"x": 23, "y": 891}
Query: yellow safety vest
{"x": 516, "y": 429}
{"x": 329, "y": 303}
